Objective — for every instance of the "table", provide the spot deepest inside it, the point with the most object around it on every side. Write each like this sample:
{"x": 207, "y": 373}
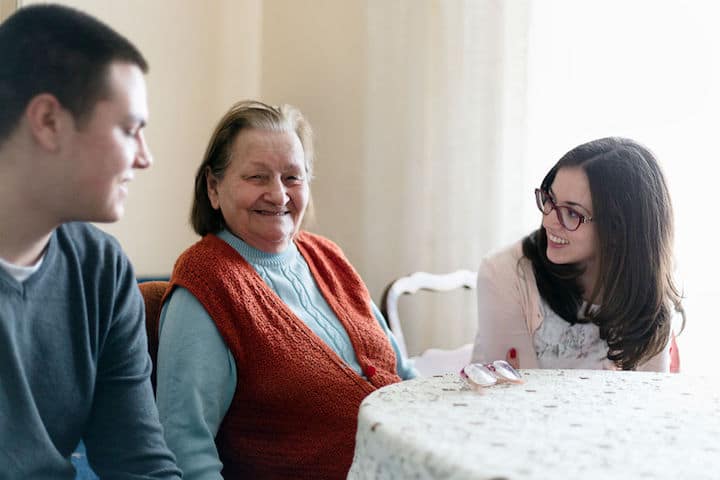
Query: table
{"x": 560, "y": 424}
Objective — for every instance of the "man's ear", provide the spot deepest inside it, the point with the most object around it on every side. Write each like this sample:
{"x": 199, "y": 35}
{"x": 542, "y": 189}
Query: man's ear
{"x": 47, "y": 120}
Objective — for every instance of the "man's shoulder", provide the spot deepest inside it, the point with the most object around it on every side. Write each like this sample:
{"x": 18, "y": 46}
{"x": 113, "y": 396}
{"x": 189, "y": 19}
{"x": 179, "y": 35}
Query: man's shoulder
{"x": 95, "y": 252}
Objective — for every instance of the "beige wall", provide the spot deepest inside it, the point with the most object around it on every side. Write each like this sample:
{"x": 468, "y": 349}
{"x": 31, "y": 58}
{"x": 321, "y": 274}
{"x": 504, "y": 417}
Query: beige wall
{"x": 203, "y": 56}
{"x": 7, "y": 7}
{"x": 314, "y": 58}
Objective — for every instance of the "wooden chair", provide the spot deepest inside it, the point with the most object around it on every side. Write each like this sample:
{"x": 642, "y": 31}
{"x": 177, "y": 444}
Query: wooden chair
{"x": 433, "y": 361}
{"x": 152, "y": 293}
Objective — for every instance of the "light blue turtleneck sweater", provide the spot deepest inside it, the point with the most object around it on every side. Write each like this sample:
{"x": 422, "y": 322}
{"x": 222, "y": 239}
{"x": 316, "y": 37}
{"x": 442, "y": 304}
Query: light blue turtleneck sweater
{"x": 196, "y": 374}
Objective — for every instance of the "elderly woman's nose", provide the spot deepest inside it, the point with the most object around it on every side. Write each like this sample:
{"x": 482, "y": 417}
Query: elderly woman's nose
{"x": 277, "y": 192}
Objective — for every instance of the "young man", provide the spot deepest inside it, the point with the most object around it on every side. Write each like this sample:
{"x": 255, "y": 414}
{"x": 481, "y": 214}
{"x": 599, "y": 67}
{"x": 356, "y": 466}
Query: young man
{"x": 73, "y": 354}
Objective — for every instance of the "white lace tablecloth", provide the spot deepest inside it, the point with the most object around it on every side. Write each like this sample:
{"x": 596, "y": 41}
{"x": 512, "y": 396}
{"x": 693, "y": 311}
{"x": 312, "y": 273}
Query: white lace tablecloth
{"x": 560, "y": 424}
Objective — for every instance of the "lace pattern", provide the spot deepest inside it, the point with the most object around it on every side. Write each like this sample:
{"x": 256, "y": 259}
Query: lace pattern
{"x": 561, "y": 345}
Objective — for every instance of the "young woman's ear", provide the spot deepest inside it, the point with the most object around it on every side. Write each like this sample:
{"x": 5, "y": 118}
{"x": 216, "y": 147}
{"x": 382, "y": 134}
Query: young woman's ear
{"x": 47, "y": 121}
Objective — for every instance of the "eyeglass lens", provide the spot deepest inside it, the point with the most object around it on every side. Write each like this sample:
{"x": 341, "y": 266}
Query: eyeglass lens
{"x": 506, "y": 371}
{"x": 485, "y": 375}
{"x": 567, "y": 217}
{"x": 479, "y": 374}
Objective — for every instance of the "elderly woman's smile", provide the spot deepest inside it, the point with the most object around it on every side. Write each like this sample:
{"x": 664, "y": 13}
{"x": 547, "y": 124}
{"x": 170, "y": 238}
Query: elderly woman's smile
{"x": 271, "y": 212}
{"x": 264, "y": 191}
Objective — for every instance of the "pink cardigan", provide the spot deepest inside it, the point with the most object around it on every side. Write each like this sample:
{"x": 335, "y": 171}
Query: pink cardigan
{"x": 509, "y": 312}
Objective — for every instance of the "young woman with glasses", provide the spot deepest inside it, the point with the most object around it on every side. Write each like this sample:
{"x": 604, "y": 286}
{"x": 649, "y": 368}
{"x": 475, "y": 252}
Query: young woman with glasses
{"x": 593, "y": 286}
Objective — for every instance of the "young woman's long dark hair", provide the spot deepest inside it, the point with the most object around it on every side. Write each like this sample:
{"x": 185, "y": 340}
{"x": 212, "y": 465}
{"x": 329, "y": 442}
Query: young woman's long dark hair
{"x": 633, "y": 216}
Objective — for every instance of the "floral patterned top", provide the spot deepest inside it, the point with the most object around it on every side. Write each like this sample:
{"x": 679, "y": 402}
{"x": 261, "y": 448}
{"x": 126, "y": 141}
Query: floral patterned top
{"x": 561, "y": 345}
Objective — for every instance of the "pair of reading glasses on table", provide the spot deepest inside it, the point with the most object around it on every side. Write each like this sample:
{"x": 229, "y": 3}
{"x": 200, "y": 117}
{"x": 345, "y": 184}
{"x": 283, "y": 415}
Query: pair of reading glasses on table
{"x": 482, "y": 375}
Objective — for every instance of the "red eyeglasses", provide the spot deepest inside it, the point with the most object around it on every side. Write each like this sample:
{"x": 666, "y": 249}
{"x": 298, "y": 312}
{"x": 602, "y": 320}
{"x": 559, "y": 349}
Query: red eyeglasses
{"x": 568, "y": 217}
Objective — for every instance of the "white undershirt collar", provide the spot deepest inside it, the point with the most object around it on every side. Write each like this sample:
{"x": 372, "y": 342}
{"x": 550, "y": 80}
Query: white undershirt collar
{"x": 20, "y": 272}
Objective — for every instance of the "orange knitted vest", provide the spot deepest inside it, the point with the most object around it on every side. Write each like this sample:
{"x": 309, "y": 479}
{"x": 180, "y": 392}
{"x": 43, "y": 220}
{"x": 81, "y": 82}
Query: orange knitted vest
{"x": 294, "y": 412}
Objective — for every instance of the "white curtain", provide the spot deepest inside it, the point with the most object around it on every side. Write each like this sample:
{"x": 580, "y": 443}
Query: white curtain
{"x": 446, "y": 134}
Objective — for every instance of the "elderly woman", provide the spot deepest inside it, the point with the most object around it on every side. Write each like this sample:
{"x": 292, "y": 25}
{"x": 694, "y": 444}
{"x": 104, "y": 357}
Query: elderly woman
{"x": 269, "y": 339}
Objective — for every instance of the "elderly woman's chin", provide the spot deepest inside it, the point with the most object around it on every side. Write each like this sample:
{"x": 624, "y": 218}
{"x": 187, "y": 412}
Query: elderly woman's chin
{"x": 271, "y": 240}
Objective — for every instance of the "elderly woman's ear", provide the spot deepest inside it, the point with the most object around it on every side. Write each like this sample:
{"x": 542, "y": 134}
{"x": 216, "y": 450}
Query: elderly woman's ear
{"x": 212, "y": 185}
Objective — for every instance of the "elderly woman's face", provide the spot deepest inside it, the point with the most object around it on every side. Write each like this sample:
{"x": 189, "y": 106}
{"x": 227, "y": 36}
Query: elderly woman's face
{"x": 264, "y": 192}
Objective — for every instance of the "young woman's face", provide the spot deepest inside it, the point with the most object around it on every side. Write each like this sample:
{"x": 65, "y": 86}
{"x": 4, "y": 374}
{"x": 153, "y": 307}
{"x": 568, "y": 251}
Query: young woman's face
{"x": 572, "y": 189}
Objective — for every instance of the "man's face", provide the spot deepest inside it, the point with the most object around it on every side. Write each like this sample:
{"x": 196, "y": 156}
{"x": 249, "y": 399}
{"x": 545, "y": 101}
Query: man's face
{"x": 103, "y": 152}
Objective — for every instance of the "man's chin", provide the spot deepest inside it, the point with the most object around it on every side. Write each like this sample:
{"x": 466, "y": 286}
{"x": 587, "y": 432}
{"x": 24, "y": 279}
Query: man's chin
{"x": 110, "y": 216}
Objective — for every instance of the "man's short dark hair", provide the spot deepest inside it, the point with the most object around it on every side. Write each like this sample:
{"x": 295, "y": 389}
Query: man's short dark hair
{"x": 57, "y": 50}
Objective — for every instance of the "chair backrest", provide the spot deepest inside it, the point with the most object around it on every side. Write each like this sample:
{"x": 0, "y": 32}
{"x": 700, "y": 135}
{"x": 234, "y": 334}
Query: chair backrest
{"x": 152, "y": 293}
{"x": 432, "y": 361}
